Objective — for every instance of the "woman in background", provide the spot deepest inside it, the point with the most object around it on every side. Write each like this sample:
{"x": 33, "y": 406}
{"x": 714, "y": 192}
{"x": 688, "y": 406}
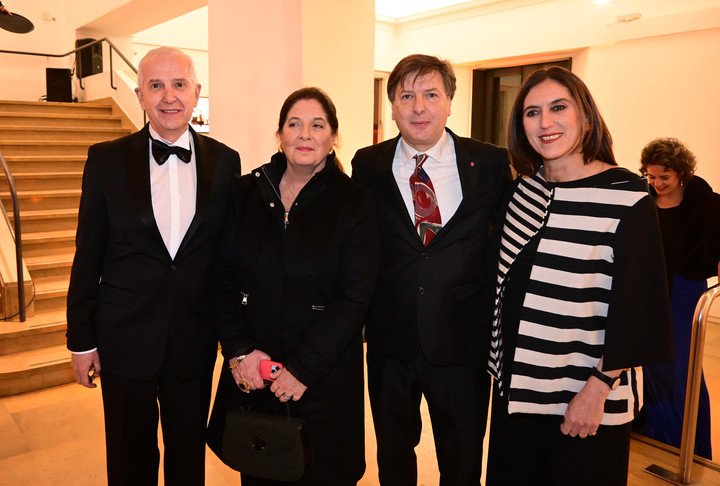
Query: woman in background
{"x": 689, "y": 213}
{"x": 580, "y": 300}
{"x": 298, "y": 263}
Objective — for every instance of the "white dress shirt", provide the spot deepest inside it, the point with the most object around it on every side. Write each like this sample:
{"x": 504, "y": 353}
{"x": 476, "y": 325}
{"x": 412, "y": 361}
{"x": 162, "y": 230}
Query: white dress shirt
{"x": 173, "y": 186}
{"x": 441, "y": 167}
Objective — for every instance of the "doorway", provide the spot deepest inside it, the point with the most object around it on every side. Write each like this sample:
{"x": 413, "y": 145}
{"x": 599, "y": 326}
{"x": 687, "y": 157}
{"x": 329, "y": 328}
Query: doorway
{"x": 493, "y": 94}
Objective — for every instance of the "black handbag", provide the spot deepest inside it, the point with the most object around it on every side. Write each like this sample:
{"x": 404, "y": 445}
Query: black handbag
{"x": 266, "y": 446}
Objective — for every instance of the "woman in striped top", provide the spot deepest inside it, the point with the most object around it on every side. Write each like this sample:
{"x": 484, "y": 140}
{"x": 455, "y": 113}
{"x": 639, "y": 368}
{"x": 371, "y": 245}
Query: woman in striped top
{"x": 581, "y": 301}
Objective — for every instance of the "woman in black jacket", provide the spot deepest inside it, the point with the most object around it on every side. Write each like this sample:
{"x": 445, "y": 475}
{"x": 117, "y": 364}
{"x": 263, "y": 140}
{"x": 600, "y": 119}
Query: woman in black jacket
{"x": 297, "y": 270}
{"x": 688, "y": 212}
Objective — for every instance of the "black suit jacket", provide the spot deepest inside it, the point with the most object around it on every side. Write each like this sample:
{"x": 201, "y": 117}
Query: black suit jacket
{"x": 437, "y": 297}
{"x": 127, "y": 296}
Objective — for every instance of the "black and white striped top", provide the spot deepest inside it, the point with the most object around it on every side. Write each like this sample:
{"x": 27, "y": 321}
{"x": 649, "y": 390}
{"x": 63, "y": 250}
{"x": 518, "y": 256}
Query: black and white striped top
{"x": 561, "y": 333}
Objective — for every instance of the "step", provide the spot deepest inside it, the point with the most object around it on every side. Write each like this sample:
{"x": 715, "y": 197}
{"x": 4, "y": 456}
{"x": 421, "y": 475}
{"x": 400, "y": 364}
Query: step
{"x": 59, "y": 120}
{"x": 57, "y": 269}
{"x": 39, "y": 331}
{"x": 44, "y": 148}
{"x": 44, "y": 262}
{"x": 39, "y": 200}
{"x": 44, "y": 220}
{"x": 81, "y": 134}
{"x": 56, "y": 246}
{"x": 20, "y": 164}
{"x": 48, "y": 237}
{"x": 50, "y": 287}
{"x": 29, "y": 181}
{"x": 50, "y": 293}
{"x": 56, "y": 108}
{"x": 48, "y": 243}
{"x": 35, "y": 370}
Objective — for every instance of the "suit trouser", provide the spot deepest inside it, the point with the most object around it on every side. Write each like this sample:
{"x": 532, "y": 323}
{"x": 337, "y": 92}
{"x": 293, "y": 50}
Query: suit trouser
{"x": 132, "y": 409}
{"x": 457, "y": 398}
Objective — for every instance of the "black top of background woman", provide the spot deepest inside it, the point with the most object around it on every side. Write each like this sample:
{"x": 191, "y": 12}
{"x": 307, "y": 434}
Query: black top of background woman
{"x": 670, "y": 168}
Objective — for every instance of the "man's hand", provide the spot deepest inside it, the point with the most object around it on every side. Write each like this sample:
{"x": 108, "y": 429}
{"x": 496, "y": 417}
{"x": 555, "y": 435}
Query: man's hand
{"x": 86, "y": 367}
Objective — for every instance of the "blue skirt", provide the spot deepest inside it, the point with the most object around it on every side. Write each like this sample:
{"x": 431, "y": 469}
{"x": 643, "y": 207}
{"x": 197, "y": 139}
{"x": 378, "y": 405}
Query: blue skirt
{"x": 665, "y": 383}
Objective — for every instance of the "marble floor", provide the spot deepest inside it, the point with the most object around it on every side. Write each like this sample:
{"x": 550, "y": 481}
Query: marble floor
{"x": 56, "y": 436}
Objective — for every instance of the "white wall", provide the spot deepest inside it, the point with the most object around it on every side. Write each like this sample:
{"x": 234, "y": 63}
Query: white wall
{"x": 659, "y": 87}
{"x": 324, "y": 43}
{"x": 23, "y": 77}
{"x": 337, "y": 56}
{"x": 653, "y": 77}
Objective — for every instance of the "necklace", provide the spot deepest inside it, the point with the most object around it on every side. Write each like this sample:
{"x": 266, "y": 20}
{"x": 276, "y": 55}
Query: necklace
{"x": 288, "y": 197}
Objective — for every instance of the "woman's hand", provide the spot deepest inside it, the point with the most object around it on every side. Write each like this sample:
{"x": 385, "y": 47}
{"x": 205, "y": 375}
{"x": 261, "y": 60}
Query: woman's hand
{"x": 584, "y": 412}
{"x": 286, "y": 387}
{"x": 247, "y": 373}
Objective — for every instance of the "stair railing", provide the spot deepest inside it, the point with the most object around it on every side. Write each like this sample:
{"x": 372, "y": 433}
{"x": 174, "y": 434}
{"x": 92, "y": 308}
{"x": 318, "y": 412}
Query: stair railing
{"x": 89, "y": 45}
{"x": 18, "y": 238}
{"x": 692, "y": 394}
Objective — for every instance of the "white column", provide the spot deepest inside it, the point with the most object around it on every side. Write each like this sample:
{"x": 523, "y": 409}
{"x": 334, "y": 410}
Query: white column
{"x": 261, "y": 51}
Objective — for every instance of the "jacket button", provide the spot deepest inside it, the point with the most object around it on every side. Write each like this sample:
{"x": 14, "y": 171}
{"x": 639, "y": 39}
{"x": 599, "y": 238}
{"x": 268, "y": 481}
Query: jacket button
{"x": 421, "y": 290}
{"x": 257, "y": 174}
{"x": 425, "y": 256}
{"x": 272, "y": 204}
{"x": 172, "y": 267}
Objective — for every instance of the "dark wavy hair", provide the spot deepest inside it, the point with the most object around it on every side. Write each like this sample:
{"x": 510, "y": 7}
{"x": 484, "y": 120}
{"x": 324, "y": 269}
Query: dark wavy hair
{"x": 417, "y": 65}
{"x": 671, "y": 154}
{"x": 596, "y": 143}
{"x": 311, "y": 93}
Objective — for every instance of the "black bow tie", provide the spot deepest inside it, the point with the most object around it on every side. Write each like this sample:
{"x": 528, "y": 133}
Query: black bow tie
{"x": 161, "y": 151}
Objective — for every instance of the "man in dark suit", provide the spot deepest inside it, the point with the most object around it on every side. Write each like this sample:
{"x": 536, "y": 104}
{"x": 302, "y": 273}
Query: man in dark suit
{"x": 151, "y": 211}
{"x": 437, "y": 196}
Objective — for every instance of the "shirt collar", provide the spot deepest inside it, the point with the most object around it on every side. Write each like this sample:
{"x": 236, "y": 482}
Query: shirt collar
{"x": 435, "y": 152}
{"x": 183, "y": 141}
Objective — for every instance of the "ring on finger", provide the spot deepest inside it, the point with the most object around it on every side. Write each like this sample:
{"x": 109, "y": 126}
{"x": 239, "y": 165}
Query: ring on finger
{"x": 244, "y": 386}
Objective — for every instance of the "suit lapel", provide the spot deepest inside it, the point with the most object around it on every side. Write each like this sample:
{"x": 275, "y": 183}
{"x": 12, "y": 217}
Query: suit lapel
{"x": 466, "y": 171}
{"x": 468, "y": 184}
{"x": 390, "y": 187}
{"x": 205, "y": 166}
{"x": 137, "y": 161}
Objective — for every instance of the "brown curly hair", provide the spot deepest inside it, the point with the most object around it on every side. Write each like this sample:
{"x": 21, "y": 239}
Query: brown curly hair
{"x": 669, "y": 153}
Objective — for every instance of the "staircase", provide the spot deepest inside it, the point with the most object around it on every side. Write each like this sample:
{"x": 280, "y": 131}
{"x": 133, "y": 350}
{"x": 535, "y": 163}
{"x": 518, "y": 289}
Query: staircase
{"x": 45, "y": 145}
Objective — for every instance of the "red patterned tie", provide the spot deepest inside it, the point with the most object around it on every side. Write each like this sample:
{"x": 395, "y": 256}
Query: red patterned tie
{"x": 427, "y": 212}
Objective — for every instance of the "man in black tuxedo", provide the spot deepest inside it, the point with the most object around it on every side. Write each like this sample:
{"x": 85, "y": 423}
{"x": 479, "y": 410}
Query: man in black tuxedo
{"x": 151, "y": 211}
{"x": 428, "y": 326}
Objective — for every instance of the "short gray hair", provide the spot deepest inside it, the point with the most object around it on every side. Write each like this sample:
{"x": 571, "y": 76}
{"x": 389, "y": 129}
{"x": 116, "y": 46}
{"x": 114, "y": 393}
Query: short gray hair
{"x": 166, "y": 51}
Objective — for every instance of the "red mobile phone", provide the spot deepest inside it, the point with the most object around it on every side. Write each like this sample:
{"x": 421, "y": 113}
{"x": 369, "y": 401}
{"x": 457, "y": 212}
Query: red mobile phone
{"x": 267, "y": 367}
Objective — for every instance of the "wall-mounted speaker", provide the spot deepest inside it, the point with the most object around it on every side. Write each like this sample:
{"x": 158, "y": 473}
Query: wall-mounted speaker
{"x": 88, "y": 61}
{"x": 58, "y": 83}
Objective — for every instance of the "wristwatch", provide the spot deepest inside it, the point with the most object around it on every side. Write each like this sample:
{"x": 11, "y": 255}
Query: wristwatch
{"x": 234, "y": 362}
{"x": 613, "y": 383}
